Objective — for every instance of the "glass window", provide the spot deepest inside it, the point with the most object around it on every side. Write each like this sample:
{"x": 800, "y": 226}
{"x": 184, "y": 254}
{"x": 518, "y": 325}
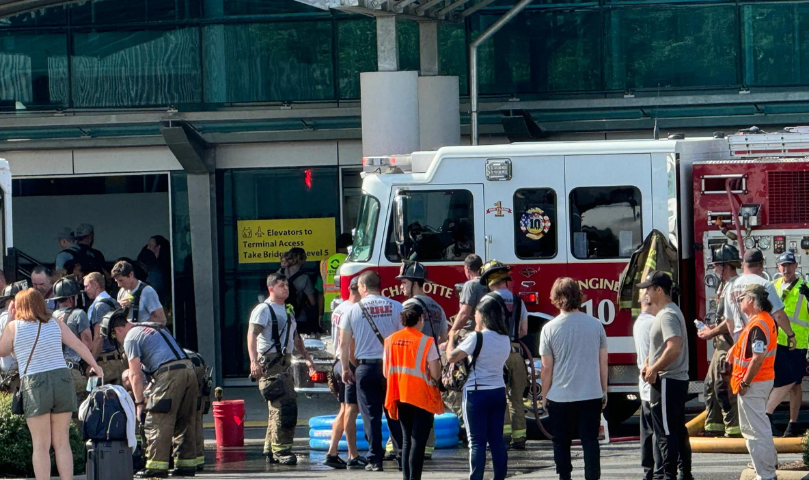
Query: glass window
{"x": 56, "y": 16}
{"x": 356, "y": 53}
{"x": 541, "y": 51}
{"x": 264, "y": 7}
{"x": 535, "y": 223}
{"x": 33, "y": 70}
{"x": 102, "y": 12}
{"x": 671, "y": 46}
{"x": 269, "y": 62}
{"x": 365, "y": 233}
{"x": 129, "y": 68}
{"x": 775, "y": 40}
{"x": 605, "y": 222}
{"x": 352, "y": 196}
{"x": 439, "y": 226}
{"x": 407, "y": 34}
{"x": 452, "y": 53}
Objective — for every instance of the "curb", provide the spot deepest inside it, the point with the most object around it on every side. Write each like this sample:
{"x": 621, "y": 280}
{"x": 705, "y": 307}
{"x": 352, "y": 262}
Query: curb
{"x": 750, "y": 474}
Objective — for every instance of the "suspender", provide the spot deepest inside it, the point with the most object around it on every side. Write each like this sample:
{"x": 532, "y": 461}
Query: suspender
{"x": 432, "y": 328}
{"x": 785, "y": 291}
{"x": 276, "y": 339}
{"x": 371, "y": 321}
{"x": 476, "y": 354}
{"x": 136, "y": 301}
{"x": 164, "y": 335}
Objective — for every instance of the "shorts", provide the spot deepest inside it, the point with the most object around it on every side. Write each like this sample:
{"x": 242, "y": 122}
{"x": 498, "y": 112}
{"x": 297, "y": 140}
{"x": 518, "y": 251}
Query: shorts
{"x": 345, "y": 393}
{"x": 790, "y": 366}
{"x": 48, "y": 392}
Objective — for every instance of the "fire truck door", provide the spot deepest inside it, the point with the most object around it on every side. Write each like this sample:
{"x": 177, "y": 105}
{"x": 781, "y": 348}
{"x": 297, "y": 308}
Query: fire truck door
{"x": 609, "y": 215}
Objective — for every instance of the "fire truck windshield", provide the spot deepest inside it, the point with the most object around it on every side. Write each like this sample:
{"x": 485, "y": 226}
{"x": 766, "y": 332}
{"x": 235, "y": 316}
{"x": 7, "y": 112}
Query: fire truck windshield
{"x": 365, "y": 233}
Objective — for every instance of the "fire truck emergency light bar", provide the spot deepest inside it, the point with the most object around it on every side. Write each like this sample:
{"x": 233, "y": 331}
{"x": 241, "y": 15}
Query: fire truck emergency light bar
{"x": 779, "y": 145}
{"x": 387, "y": 163}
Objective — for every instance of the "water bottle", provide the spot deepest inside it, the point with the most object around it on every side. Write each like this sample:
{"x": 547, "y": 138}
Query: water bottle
{"x": 700, "y": 325}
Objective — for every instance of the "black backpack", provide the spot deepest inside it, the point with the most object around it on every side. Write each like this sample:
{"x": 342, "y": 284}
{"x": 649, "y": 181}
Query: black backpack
{"x": 105, "y": 418}
{"x": 298, "y": 299}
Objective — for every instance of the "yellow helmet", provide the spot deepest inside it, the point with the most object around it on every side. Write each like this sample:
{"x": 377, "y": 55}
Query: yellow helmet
{"x": 493, "y": 272}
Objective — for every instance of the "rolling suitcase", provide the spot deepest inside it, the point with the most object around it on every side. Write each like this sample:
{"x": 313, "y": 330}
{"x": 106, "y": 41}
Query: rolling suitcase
{"x": 108, "y": 460}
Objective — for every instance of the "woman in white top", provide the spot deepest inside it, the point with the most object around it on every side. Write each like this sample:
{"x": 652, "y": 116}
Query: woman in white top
{"x": 47, "y": 387}
{"x": 484, "y": 401}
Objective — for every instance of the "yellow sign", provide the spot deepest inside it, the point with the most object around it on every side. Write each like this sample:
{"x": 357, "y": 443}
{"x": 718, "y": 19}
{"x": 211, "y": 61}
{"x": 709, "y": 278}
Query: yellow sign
{"x": 264, "y": 241}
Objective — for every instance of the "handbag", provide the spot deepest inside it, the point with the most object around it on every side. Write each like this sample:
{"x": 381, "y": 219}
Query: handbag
{"x": 454, "y": 375}
{"x": 17, "y": 407}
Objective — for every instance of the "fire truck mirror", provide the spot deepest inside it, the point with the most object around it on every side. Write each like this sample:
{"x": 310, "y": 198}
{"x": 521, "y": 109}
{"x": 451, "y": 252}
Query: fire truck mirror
{"x": 399, "y": 217}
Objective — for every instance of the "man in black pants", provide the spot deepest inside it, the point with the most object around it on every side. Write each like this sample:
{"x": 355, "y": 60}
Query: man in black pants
{"x": 666, "y": 370}
{"x": 368, "y": 323}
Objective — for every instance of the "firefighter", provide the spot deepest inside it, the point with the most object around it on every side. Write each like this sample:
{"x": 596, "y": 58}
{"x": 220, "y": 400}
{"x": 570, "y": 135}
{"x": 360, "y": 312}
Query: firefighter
{"x": 496, "y": 276}
{"x": 205, "y": 383}
{"x": 168, "y": 406}
{"x": 722, "y": 414}
{"x": 65, "y": 293}
{"x": 109, "y": 358}
{"x": 9, "y": 375}
{"x": 413, "y": 277}
{"x": 272, "y": 333}
{"x": 790, "y": 365}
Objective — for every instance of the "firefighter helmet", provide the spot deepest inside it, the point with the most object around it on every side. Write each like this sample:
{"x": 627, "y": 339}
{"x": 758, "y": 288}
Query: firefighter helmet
{"x": 412, "y": 271}
{"x": 493, "y": 272}
{"x": 65, "y": 288}
{"x": 13, "y": 289}
{"x": 107, "y": 330}
{"x": 726, "y": 255}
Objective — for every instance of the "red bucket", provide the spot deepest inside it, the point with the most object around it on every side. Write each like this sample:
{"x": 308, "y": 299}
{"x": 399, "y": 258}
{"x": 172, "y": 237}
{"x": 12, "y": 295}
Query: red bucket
{"x": 228, "y": 418}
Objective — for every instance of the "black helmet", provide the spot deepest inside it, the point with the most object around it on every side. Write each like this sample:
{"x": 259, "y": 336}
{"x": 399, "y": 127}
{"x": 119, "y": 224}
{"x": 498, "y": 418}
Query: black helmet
{"x": 413, "y": 271}
{"x": 13, "y": 289}
{"x": 493, "y": 271}
{"x": 725, "y": 255}
{"x": 65, "y": 288}
{"x": 106, "y": 330}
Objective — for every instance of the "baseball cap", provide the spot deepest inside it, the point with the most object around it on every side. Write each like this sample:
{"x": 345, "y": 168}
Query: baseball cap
{"x": 753, "y": 255}
{"x": 83, "y": 230}
{"x": 657, "y": 279}
{"x": 787, "y": 258}
{"x": 65, "y": 233}
{"x": 355, "y": 283}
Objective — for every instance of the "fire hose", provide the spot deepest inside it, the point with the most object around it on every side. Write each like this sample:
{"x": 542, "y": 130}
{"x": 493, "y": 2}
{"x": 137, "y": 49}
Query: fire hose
{"x": 535, "y": 389}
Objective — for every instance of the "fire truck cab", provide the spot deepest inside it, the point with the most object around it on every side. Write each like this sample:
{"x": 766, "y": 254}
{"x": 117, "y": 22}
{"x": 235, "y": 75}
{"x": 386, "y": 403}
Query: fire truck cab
{"x": 548, "y": 209}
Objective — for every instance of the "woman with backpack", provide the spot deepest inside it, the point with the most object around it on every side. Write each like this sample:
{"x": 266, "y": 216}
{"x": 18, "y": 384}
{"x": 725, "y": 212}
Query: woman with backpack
{"x": 484, "y": 394}
{"x": 48, "y": 396}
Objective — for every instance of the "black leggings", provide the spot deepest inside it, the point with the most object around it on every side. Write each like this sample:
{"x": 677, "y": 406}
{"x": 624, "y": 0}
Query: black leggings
{"x": 416, "y": 425}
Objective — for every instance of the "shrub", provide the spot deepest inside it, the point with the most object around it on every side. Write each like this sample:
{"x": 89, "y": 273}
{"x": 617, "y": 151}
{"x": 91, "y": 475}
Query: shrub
{"x": 16, "y": 448}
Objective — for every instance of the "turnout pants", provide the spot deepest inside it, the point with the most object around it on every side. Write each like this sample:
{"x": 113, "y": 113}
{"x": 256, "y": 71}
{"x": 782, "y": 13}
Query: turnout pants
{"x": 720, "y": 402}
{"x": 79, "y": 382}
{"x": 113, "y": 365}
{"x": 518, "y": 381}
{"x": 283, "y": 411}
{"x": 668, "y": 422}
{"x": 371, "y": 390}
{"x": 756, "y": 429}
{"x": 171, "y": 413}
{"x": 9, "y": 381}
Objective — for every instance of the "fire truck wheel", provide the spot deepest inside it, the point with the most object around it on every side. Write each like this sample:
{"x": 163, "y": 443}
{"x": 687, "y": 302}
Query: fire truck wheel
{"x": 620, "y": 407}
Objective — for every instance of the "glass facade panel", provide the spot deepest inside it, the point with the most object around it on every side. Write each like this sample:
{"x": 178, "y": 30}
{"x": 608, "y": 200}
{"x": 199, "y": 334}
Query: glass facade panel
{"x": 407, "y": 34}
{"x": 452, "y": 53}
{"x": 54, "y": 16}
{"x": 132, "y": 68}
{"x": 184, "y": 312}
{"x": 541, "y": 52}
{"x": 33, "y": 69}
{"x": 356, "y": 52}
{"x": 262, "y": 194}
{"x": 269, "y": 62}
{"x": 266, "y": 7}
{"x": 104, "y": 12}
{"x": 671, "y": 47}
{"x": 775, "y": 37}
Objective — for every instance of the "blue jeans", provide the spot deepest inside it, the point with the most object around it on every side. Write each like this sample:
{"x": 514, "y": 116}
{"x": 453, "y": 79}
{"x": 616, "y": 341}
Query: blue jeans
{"x": 483, "y": 413}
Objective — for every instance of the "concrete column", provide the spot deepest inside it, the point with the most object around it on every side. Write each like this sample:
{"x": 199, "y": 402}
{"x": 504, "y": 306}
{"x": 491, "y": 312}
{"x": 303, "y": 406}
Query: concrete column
{"x": 428, "y": 48}
{"x": 205, "y": 259}
{"x": 387, "y": 44}
{"x": 439, "y": 112}
{"x": 390, "y": 113}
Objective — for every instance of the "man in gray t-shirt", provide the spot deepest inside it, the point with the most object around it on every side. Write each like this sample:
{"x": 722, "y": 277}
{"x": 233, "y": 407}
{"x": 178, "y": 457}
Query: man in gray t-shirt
{"x": 148, "y": 306}
{"x": 669, "y": 323}
{"x": 66, "y": 292}
{"x": 471, "y": 294}
{"x": 435, "y": 324}
{"x": 153, "y": 345}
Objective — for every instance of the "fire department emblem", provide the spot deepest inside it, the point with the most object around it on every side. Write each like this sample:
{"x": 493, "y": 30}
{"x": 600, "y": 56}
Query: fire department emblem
{"x": 534, "y": 223}
{"x": 528, "y": 272}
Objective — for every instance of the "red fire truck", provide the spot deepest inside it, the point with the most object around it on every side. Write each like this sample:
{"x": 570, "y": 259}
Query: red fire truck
{"x": 580, "y": 209}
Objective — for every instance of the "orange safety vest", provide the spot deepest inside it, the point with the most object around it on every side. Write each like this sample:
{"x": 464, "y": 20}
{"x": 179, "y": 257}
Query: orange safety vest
{"x": 740, "y": 364}
{"x": 408, "y": 380}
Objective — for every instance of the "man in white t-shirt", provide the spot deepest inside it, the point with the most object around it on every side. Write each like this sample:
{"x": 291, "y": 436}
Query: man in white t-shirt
{"x": 641, "y": 331}
{"x": 273, "y": 328}
{"x": 496, "y": 275}
{"x": 141, "y": 299}
{"x": 346, "y": 420}
{"x": 367, "y": 324}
